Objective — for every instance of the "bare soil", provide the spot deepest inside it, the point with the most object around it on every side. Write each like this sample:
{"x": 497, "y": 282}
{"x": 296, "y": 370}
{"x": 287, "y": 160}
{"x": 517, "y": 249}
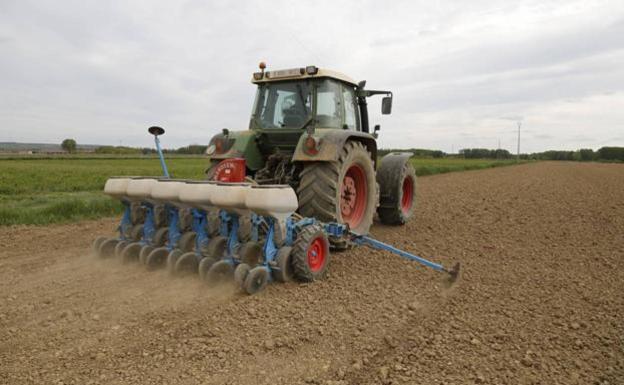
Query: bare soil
{"x": 540, "y": 299}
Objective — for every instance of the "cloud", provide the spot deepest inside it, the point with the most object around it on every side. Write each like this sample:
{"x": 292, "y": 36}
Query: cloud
{"x": 103, "y": 72}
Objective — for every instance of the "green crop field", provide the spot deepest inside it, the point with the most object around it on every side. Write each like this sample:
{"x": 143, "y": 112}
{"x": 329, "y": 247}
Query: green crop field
{"x": 431, "y": 166}
{"x": 42, "y": 191}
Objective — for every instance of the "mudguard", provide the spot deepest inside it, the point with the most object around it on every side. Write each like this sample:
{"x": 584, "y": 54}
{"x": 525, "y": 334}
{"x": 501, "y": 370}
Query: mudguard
{"x": 331, "y": 141}
{"x": 241, "y": 144}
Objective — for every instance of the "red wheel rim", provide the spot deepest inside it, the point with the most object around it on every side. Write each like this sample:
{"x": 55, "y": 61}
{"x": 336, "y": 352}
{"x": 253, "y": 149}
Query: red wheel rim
{"x": 317, "y": 254}
{"x": 407, "y": 200}
{"x": 353, "y": 196}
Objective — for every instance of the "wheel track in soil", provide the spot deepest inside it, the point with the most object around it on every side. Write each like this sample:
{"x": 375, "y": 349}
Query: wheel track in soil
{"x": 539, "y": 299}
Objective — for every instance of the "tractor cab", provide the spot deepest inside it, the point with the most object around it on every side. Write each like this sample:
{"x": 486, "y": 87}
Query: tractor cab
{"x": 293, "y": 101}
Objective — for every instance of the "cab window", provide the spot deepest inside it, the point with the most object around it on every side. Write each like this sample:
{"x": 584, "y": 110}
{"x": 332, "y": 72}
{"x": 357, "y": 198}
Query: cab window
{"x": 329, "y": 110}
{"x": 350, "y": 109}
{"x": 283, "y": 105}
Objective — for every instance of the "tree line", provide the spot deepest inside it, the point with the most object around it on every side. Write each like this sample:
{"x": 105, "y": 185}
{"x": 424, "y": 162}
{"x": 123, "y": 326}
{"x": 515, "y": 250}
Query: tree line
{"x": 609, "y": 154}
{"x": 586, "y": 154}
{"x": 193, "y": 149}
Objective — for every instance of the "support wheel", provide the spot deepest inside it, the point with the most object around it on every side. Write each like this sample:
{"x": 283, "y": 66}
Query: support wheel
{"x": 256, "y": 280}
{"x": 160, "y": 237}
{"x": 136, "y": 233}
{"x": 145, "y": 251}
{"x": 187, "y": 263}
{"x": 219, "y": 273}
{"x": 240, "y": 273}
{"x": 310, "y": 254}
{"x": 187, "y": 241}
{"x": 119, "y": 248}
{"x": 204, "y": 265}
{"x": 107, "y": 248}
{"x": 172, "y": 258}
{"x": 250, "y": 253}
{"x": 130, "y": 253}
{"x": 157, "y": 258}
{"x": 95, "y": 247}
{"x": 215, "y": 247}
{"x": 283, "y": 259}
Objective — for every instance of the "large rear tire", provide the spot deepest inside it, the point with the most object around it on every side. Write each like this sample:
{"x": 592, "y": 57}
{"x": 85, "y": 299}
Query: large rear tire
{"x": 398, "y": 192}
{"x": 344, "y": 191}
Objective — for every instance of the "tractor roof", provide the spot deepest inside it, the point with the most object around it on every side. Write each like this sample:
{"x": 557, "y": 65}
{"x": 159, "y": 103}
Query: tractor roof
{"x": 299, "y": 73}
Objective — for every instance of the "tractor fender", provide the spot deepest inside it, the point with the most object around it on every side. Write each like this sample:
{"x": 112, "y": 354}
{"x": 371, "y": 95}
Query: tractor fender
{"x": 239, "y": 144}
{"x": 389, "y": 177}
{"x": 330, "y": 142}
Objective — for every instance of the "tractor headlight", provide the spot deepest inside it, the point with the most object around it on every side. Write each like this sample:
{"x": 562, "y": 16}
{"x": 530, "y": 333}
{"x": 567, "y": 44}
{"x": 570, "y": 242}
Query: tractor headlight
{"x": 211, "y": 149}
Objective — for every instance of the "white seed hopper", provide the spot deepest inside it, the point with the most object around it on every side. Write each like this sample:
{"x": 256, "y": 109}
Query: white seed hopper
{"x": 139, "y": 189}
{"x": 230, "y": 196}
{"x": 277, "y": 201}
{"x": 198, "y": 194}
{"x": 116, "y": 187}
{"x": 167, "y": 191}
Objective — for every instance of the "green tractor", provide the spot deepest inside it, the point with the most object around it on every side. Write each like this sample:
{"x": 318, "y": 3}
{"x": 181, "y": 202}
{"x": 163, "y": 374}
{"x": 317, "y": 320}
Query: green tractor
{"x": 309, "y": 129}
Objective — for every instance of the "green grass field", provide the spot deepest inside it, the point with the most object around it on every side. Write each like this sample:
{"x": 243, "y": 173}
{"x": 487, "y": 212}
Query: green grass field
{"x": 43, "y": 191}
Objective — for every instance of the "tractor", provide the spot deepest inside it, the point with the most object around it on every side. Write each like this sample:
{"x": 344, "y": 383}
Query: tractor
{"x": 309, "y": 128}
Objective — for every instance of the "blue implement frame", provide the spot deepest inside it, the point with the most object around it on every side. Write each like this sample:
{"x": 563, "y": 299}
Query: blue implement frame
{"x": 126, "y": 221}
{"x": 161, "y": 157}
{"x": 173, "y": 230}
{"x": 149, "y": 228}
{"x": 200, "y": 220}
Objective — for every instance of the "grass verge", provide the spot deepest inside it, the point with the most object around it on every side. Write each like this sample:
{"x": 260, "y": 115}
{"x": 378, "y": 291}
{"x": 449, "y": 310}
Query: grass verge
{"x": 44, "y": 191}
{"x": 431, "y": 166}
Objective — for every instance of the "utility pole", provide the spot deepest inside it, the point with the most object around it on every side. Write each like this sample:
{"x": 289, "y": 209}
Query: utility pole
{"x": 519, "y": 125}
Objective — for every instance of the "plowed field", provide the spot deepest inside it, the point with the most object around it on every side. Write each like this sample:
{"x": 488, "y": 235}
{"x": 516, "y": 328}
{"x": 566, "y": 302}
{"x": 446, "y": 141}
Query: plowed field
{"x": 540, "y": 299}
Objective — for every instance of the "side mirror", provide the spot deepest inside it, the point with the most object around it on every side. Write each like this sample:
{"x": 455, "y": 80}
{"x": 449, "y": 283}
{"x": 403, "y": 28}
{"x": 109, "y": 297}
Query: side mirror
{"x": 386, "y": 105}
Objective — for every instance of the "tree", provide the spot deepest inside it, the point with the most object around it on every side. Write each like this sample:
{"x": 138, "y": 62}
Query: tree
{"x": 69, "y": 145}
{"x": 611, "y": 153}
{"x": 587, "y": 154}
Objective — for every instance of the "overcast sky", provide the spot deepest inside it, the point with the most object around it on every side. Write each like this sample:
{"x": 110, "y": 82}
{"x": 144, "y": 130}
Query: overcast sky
{"x": 461, "y": 71}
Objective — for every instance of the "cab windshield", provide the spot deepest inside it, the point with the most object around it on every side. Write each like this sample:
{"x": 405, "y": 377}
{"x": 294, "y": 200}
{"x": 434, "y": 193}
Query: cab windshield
{"x": 283, "y": 105}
